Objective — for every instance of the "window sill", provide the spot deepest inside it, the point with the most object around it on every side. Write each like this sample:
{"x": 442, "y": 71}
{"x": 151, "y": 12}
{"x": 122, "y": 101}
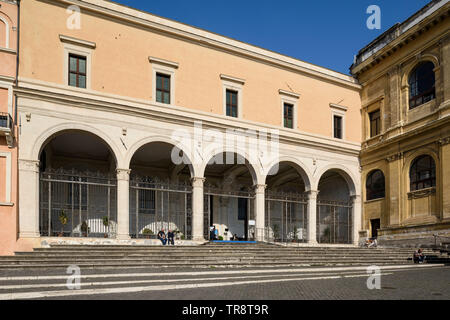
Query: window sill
{"x": 374, "y": 200}
{"x": 423, "y": 193}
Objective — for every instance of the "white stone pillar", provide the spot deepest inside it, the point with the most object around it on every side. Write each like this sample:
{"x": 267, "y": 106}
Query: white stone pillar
{"x": 356, "y": 217}
{"x": 197, "y": 209}
{"x": 312, "y": 217}
{"x": 260, "y": 212}
{"x": 123, "y": 204}
{"x": 29, "y": 199}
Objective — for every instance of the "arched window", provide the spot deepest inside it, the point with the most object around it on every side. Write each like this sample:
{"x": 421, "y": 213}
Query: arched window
{"x": 3, "y": 34}
{"x": 375, "y": 185}
{"x": 421, "y": 84}
{"x": 423, "y": 173}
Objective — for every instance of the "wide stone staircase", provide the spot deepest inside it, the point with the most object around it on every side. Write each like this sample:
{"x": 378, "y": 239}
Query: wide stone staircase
{"x": 207, "y": 256}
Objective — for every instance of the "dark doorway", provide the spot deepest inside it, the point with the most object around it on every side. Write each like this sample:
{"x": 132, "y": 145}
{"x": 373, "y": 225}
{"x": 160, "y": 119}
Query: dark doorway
{"x": 242, "y": 215}
{"x": 375, "y": 227}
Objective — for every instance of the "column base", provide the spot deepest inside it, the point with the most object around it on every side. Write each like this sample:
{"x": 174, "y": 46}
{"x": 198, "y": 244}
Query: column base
{"x": 198, "y": 239}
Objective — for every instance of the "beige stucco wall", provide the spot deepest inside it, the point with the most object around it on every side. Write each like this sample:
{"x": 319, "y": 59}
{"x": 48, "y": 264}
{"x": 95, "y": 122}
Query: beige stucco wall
{"x": 120, "y": 66}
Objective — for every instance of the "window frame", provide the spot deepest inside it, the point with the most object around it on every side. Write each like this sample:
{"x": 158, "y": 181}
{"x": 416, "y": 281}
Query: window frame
{"x": 229, "y": 103}
{"x": 233, "y": 84}
{"x": 432, "y": 179}
{"x": 378, "y": 122}
{"x": 338, "y": 111}
{"x": 430, "y": 92}
{"x": 290, "y": 98}
{"x": 373, "y": 195}
{"x": 77, "y": 73}
{"x": 340, "y": 129}
{"x": 167, "y": 68}
{"x": 77, "y": 50}
{"x": 288, "y": 105}
{"x": 162, "y": 90}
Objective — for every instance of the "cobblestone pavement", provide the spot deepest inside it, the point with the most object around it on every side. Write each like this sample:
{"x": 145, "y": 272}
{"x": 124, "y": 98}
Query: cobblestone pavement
{"x": 426, "y": 282}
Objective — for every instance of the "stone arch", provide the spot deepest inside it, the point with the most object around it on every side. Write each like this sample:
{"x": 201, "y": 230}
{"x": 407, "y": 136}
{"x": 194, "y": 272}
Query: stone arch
{"x": 413, "y": 156}
{"x": 164, "y": 139}
{"x": 298, "y": 165}
{"x": 424, "y": 58}
{"x": 254, "y": 169}
{"x": 344, "y": 172}
{"x": 51, "y": 133}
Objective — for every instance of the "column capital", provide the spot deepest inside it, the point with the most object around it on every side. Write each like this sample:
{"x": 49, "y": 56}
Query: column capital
{"x": 29, "y": 165}
{"x": 312, "y": 194}
{"x": 260, "y": 188}
{"x": 197, "y": 181}
{"x": 123, "y": 174}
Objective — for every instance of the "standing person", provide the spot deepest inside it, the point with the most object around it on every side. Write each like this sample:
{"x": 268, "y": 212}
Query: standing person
{"x": 162, "y": 237}
{"x": 170, "y": 237}
{"x": 216, "y": 234}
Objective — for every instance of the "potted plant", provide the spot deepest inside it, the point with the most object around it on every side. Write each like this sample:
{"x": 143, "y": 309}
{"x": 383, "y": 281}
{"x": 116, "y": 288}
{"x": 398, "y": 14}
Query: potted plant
{"x": 106, "y": 224}
{"x": 177, "y": 234}
{"x": 84, "y": 228}
{"x": 63, "y": 219}
{"x": 147, "y": 233}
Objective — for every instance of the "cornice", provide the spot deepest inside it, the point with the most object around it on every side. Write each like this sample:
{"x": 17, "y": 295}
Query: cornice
{"x": 409, "y": 35}
{"x": 209, "y": 39}
{"x": 173, "y": 114}
{"x": 78, "y": 42}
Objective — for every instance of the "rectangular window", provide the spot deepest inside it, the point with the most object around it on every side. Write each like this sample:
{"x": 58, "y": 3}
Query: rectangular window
{"x": 288, "y": 115}
{"x": 162, "y": 88}
{"x": 77, "y": 71}
{"x": 232, "y": 103}
{"x": 375, "y": 124}
{"x": 337, "y": 120}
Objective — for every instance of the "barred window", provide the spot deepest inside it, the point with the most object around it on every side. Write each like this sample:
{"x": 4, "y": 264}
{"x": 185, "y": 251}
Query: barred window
{"x": 375, "y": 187}
{"x": 422, "y": 173}
{"x": 421, "y": 84}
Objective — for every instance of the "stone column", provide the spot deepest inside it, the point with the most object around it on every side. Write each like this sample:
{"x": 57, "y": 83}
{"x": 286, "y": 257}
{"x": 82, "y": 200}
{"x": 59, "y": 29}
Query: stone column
{"x": 260, "y": 213}
{"x": 29, "y": 199}
{"x": 356, "y": 217}
{"x": 445, "y": 176}
{"x": 197, "y": 209}
{"x": 312, "y": 216}
{"x": 123, "y": 207}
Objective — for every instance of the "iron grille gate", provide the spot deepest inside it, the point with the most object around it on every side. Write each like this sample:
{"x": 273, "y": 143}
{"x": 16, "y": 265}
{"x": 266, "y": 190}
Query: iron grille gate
{"x": 334, "y": 222}
{"x": 286, "y": 217}
{"x": 247, "y": 194}
{"x": 157, "y": 205}
{"x": 74, "y": 203}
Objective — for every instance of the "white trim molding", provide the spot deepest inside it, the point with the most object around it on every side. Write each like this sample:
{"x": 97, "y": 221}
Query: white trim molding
{"x": 234, "y": 84}
{"x": 7, "y": 29}
{"x": 167, "y": 68}
{"x": 338, "y": 110}
{"x": 77, "y": 42}
{"x": 81, "y": 50}
{"x": 8, "y": 176}
{"x": 292, "y": 99}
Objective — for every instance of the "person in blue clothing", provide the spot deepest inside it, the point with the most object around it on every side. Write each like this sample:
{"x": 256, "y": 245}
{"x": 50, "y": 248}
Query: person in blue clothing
{"x": 162, "y": 237}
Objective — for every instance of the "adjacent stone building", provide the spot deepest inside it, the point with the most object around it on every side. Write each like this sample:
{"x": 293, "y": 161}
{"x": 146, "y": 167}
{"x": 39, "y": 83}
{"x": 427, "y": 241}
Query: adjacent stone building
{"x": 405, "y": 156}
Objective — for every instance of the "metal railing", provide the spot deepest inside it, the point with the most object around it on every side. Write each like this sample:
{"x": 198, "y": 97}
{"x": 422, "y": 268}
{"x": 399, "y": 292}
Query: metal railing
{"x": 334, "y": 222}
{"x": 74, "y": 203}
{"x": 6, "y": 120}
{"x": 156, "y": 204}
{"x": 286, "y": 217}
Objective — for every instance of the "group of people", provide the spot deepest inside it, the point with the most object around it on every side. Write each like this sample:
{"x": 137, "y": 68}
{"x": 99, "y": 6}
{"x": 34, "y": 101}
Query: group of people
{"x": 166, "y": 239}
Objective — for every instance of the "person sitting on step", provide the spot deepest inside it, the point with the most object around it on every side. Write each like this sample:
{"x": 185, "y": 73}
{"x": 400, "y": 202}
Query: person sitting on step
{"x": 418, "y": 256}
{"x": 170, "y": 237}
{"x": 162, "y": 237}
